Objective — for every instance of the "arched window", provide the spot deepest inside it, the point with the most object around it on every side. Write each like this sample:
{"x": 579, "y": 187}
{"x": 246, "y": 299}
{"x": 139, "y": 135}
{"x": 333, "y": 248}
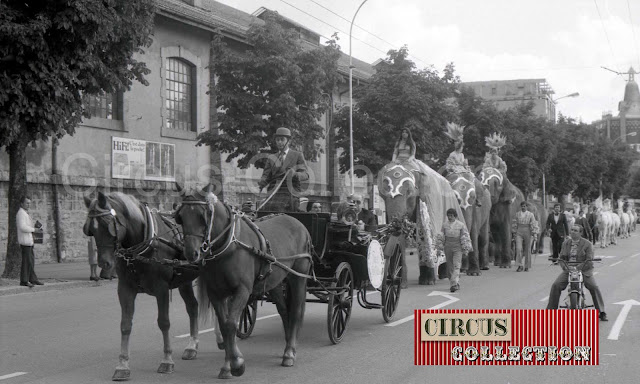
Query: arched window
{"x": 180, "y": 100}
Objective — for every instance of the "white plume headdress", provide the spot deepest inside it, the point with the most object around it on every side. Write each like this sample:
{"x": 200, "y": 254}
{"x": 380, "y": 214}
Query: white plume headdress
{"x": 495, "y": 141}
{"x": 455, "y": 132}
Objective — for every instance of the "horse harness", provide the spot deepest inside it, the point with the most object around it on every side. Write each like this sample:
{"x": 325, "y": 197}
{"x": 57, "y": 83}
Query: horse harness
{"x": 139, "y": 253}
{"x": 264, "y": 252}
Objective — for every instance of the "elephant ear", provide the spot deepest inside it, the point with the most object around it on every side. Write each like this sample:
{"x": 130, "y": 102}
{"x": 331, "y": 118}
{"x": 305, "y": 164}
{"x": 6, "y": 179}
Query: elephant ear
{"x": 509, "y": 193}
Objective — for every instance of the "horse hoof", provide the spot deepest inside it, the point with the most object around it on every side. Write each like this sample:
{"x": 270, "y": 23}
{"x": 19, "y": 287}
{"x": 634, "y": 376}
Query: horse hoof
{"x": 224, "y": 374}
{"x": 238, "y": 371}
{"x": 166, "y": 368}
{"x": 189, "y": 354}
{"x": 221, "y": 346}
{"x": 485, "y": 268}
{"x": 288, "y": 361}
{"x": 121, "y": 375}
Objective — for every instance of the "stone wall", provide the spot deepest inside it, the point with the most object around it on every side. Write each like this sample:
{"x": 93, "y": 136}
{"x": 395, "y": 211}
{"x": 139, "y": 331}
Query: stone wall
{"x": 73, "y": 212}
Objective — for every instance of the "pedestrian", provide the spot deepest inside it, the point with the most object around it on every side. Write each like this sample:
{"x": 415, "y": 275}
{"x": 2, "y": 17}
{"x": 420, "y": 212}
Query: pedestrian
{"x": 524, "y": 228}
{"x": 314, "y": 206}
{"x": 586, "y": 228}
{"x": 592, "y": 219}
{"x": 282, "y": 192}
{"x": 558, "y": 229}
{"x": 455, "y": 242}
{"x": 26, "y": 228}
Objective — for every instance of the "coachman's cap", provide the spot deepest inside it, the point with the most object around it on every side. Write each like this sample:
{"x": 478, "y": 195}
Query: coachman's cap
{"x": 282, "y": 131}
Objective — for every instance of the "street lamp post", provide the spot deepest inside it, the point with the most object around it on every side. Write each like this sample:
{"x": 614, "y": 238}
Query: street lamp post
{"x": 544, "y": 184}
{"x": 351, "y": 100}
{"x": 628, "y": 134}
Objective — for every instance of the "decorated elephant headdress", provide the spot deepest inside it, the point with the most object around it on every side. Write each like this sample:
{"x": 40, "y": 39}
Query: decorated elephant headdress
{"x": 495, "y": 141}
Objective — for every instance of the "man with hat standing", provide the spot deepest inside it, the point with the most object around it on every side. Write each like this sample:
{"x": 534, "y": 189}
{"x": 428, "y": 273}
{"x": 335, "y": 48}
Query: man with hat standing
{"x": 286, "y": 163}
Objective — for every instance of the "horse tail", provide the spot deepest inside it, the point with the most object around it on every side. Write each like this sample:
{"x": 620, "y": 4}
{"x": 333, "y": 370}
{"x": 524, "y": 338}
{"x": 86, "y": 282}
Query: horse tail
{"x": 205, "y": 309}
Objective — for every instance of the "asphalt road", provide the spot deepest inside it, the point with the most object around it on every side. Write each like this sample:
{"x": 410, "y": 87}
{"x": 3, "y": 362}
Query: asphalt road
{"x": 72, "y": 335}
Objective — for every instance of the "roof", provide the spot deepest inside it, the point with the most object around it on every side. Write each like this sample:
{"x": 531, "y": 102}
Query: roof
{"x": 362, "y": 70}
{"x": 212, "y": 15}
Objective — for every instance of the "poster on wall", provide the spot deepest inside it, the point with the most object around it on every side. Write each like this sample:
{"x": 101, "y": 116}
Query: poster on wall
{"x": 142, "y": 160}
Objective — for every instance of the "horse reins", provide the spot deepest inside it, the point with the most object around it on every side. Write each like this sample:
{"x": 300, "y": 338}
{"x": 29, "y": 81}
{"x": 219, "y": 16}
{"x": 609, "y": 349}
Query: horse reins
{"x": 211, "y": 255}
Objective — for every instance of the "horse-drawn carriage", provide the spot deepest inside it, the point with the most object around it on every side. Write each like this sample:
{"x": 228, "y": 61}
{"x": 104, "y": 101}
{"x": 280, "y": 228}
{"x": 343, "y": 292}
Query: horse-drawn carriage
{"x": 344, "y": 259}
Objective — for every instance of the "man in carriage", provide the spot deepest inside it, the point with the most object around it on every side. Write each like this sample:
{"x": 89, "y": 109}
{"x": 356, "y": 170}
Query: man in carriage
{"x": 282, "y": 175}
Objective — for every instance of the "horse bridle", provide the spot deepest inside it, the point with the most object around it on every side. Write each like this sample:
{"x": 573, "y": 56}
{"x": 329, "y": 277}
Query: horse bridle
{"x": 206, "y": 247}
{"x": 112, "y": 214}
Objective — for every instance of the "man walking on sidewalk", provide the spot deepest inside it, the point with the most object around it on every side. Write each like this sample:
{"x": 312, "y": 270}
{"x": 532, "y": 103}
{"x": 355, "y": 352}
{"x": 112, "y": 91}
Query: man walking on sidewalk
{"x": 25, "y": 238}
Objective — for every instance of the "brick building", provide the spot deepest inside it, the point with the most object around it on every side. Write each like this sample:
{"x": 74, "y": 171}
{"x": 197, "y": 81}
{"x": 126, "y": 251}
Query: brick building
{"x": 142, "y": 141}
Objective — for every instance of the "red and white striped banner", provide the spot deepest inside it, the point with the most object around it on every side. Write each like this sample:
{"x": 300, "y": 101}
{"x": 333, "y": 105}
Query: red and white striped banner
{"x": 533, "y": 337}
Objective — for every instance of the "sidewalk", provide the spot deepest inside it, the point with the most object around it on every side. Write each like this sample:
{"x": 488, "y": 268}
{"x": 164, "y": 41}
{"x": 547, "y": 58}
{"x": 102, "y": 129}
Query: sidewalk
{"x": 54, "y": 276}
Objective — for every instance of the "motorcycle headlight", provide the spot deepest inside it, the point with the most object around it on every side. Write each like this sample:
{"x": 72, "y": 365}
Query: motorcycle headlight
{"x": 574, "y": 276}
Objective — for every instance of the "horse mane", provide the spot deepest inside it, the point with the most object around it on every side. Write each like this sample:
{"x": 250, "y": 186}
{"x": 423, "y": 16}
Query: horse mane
{"x": 129, "y": 206}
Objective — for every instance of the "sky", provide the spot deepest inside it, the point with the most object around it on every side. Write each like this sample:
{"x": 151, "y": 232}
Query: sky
{"x": 565, "y": 42}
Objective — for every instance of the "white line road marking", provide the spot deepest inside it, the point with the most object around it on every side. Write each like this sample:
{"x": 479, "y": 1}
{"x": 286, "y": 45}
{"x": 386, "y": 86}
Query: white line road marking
{"x": 636, "y": 255}
{"x": 212, "y": 329}
{"x": 615, "y": 330}
{"x": 15, "y": 374}
{"x": 609, "y": 354}
{"x": 595, "y": 273}
{"x": 616, "y": 263}
{"x": 545, "y": 298}
{"x": 451, "y": 300}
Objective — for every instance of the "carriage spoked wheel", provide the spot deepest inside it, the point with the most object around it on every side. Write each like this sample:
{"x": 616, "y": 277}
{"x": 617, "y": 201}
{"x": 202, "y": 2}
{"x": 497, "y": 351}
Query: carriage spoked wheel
{"x": 340, "y": 303}
{"x": 391, "y": 285}
{"x": 248, "y": 319}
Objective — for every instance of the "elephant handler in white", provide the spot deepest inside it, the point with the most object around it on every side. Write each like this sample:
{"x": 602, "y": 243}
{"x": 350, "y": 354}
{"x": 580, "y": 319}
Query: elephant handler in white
{"x": 524, "y": 228}
{"x": 455, "y": 241}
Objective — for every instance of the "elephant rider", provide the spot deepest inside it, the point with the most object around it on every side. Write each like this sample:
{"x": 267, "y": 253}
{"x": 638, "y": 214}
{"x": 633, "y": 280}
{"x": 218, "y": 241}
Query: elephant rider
{"x": 577, "y": 249}
{"x": 524, "y": 228}
{"x": 277, "y": 167}
{"x": 492, "y": 158}
{"x": 456, "y": 162}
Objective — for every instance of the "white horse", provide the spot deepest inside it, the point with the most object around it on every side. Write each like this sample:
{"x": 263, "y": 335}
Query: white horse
{"x": 624, "y": 224}
{"x": 633, "y": 218}
{"x": 604, "y": 221}
{"x": 614, "y": 228}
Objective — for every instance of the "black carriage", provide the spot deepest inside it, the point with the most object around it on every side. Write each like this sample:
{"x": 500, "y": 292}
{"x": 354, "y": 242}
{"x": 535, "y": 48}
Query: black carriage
{"x": 345, "y": 259}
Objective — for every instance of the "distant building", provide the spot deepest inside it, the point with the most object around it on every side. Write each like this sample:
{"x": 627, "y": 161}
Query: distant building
{"x": 626, "y": 126}
{"x": 507, "y": 94}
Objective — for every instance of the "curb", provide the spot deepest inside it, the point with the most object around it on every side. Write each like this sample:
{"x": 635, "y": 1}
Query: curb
{"x": 53, "y": 286}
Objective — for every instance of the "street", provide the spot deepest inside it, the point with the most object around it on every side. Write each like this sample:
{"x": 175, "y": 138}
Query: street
{"x": 72, "y": 335}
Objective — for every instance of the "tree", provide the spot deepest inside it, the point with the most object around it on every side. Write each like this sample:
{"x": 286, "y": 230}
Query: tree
{"x": 633, "y": 189}
{"x": 277, "y": 82}
{"x": 396, "y": 95}
{"x": 530, "y": 144}
{"x": 51, "y": 53}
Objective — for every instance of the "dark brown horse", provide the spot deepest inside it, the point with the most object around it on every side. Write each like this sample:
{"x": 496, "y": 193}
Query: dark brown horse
{"x": 238, "y": 258}
{"x": 137, "y": 242}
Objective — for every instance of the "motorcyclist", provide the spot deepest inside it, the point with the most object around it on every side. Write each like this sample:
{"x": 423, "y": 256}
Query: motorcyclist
{"x": 577, "y": 249}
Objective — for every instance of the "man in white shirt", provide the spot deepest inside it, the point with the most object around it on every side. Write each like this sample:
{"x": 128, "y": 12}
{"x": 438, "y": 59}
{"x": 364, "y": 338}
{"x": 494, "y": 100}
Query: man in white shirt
{"x": 25, "y": 238}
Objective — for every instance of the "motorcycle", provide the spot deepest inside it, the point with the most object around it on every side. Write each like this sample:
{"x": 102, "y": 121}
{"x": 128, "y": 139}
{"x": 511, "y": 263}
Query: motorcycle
{"x": 575, "y": 296}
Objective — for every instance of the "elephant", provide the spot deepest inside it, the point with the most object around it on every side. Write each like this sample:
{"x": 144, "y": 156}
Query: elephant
{"x": 505, "y": 201}
{"x": 475, "y": 203}
{"x": 403, "y": 185}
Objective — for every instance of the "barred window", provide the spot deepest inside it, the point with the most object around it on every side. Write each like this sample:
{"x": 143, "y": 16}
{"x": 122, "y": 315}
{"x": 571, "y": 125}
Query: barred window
{"x": 179, "y": 95}
{"x": 105, "y": 105}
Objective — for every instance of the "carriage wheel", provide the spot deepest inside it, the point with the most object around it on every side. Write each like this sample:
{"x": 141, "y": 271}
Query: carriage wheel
{"x": 391, "y": 286}
{"x": 340, "y": 304}
{"x": 248, "y": 319}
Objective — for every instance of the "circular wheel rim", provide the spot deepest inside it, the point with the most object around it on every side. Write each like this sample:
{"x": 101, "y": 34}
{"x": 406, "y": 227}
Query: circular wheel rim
{"x": 247, "y": 319}
{"x": 340, "y": 304}
{"x": 392, "y": 286}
